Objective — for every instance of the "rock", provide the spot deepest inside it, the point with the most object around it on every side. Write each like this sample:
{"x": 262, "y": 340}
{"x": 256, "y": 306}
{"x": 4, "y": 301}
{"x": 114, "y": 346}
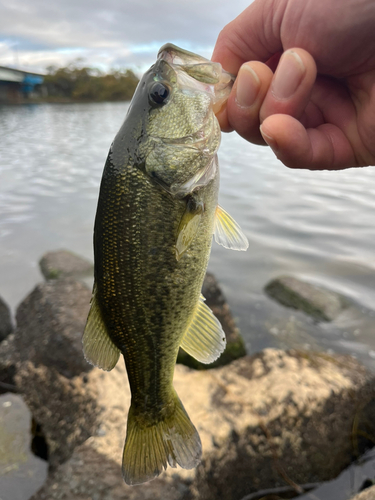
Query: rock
{"x": 262, "y": 419}
{"x": 217, "y": 303}
{"x": 90, "y": 476}
{"x": 279, "y": 415}
{"x": 21, "y": 473}
{"x": 8, "y": 361}
{"x": 367, "y": 494}
{"x": 47, "y": 365}
{"x": 94, "y": 470}
{"x": 354, "y": 478}
{"x": 66, "y": 409}
{"x": 50, "y": 324}
{"x": 6, "y": 326}
{"x": 64, "y": 264}
{"x": 321, "y": 304}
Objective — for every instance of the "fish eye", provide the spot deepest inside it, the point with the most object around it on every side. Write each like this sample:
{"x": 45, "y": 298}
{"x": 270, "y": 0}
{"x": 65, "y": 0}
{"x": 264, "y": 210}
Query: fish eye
{"x": 159, "y": 93}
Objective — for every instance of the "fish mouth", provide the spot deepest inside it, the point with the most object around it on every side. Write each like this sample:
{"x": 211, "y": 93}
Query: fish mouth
{"x": 198, "y": 73}
{"x": 198, "y": 67}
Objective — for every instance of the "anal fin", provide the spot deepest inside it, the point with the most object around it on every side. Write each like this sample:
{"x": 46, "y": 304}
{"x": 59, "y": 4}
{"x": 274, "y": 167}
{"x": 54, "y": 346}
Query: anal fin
{"x": 227, "y": 232}
{"x": 204, "y": 339}
{"x": 98, "y": 348}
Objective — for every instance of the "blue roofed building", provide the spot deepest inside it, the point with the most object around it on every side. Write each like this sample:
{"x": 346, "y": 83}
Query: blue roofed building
{"x": 17, "y": 85}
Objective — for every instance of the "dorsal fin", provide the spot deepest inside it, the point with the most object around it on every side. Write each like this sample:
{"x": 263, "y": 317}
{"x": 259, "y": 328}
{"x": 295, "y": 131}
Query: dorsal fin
{"x": 204, "y": 339}
{"x": 227, "y": 232}
{"x": 98, "y": 348}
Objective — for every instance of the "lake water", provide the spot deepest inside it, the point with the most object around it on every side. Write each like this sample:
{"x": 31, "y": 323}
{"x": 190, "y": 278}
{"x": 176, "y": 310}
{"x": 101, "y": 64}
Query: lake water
{"x": 319, "y": 226}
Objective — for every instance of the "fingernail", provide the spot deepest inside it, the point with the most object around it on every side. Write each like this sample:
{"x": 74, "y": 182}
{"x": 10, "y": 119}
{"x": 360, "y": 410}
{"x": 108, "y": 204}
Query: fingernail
{"x": 248, "y": 85}
{"x": 288, "y": 75}
{"x": 268, "y": 138}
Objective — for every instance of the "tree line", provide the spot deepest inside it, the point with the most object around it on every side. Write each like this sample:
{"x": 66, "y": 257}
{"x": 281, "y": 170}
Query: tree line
{"x": 74, "y": 83}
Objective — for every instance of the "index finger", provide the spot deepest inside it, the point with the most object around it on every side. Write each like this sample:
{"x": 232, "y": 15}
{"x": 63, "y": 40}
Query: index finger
{"x": 253, "y": 36}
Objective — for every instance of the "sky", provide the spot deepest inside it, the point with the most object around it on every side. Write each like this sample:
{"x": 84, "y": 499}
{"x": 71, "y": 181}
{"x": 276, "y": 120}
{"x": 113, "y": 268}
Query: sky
{"x": 105, "y": 34}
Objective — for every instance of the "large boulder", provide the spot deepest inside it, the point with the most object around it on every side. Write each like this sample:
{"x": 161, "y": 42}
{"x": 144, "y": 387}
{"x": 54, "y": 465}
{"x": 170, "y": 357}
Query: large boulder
{"x": 280, "y": 415}
{"x": 50, "y": 324}
{"x": 65, "y": 264}
{"x": 6, "y": 326}
{"x": 355, "y": 478}
{"x": 94, "y": 470}
{"x": 45, "y": 363}
{"x": 321, "y": 304}
{"x": 263, "y": 420}
{"x": 66, "y": 409}
{"x": 89, "y": 475}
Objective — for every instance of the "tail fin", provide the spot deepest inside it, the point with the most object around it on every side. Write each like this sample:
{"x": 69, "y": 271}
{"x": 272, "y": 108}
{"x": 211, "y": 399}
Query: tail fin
{"x": 149, "y": 449}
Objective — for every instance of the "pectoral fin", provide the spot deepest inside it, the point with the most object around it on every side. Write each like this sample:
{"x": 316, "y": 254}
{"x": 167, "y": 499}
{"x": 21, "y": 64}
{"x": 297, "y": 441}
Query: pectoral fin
{"x": 227, "y": 232}
{"x": 188, "y": 227}
{"x": 98, "y": 348}
{"x": 204, "y": 339}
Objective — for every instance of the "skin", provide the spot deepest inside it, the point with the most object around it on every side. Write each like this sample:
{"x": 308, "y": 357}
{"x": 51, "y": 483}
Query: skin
{"x": 314, "y": 106}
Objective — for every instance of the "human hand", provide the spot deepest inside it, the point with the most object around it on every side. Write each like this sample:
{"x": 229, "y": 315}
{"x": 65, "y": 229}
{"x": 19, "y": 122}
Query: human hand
{"x": 317, "y": 111}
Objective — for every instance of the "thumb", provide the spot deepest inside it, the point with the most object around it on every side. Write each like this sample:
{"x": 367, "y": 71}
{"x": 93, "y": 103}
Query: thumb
{"x": 253, "y": 36}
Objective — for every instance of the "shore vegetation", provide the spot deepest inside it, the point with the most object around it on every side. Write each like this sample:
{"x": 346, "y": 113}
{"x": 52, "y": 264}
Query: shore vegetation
{"x": 84, "y": 84}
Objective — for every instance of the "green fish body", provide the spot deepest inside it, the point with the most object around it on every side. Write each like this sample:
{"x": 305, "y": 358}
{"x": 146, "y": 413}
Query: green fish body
{"x": 157, "y": 212}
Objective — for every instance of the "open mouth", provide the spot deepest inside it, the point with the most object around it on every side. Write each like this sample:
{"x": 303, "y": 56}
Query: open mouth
{"x": 197, "y": 73}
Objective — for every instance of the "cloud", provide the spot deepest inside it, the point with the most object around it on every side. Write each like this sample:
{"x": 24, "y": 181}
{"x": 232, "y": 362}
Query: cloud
{"x": 107, "y": 33}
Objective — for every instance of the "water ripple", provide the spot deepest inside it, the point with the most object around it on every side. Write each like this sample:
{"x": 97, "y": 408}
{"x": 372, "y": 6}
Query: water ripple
{"x": 314, "y": 224}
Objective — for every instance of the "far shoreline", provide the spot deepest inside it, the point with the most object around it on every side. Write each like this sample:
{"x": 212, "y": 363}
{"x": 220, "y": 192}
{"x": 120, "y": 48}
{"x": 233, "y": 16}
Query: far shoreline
{"x": 60, "y": 101}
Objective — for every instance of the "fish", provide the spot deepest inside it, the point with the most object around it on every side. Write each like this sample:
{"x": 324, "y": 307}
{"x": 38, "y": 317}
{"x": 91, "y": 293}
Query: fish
{"x": 156, "y": 215}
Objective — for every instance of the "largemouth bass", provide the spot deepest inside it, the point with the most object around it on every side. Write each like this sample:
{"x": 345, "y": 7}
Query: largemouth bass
{"x": 157, "y": 212}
